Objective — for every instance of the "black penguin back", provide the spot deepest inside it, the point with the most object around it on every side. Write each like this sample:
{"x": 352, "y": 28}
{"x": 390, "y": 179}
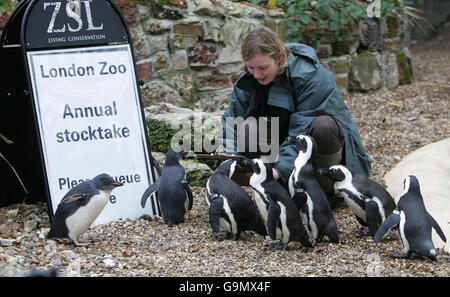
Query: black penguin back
{"x": 241, "y": 205}
{"x": 279, "y": 194}
{"x": 172, "y": 196}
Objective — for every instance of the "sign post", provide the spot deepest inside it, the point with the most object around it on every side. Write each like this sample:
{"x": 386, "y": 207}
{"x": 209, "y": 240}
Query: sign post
{"x": 87, "y": 107}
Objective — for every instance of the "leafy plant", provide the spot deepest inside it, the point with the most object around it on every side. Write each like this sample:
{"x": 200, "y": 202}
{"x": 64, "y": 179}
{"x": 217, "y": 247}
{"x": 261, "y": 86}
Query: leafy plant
{"x": 9, "y": 164}
{"x": 333, "y": 17}
{"x": 7, "y": 4}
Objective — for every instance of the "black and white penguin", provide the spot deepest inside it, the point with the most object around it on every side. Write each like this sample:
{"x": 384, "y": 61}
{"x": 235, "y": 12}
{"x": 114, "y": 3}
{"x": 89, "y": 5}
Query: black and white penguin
{"x": 80, "y": 207}
{"x": 414, "y": 223}
{"x": 308, "y": 195}
{"x": 282, "y": 215}
{"x": 174, "y": 194}
{"x": 231, "y": 209}
{"x": 368, "y": 200}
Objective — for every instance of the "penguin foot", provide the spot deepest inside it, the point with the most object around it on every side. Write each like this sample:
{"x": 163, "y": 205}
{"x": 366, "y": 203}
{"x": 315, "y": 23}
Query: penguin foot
{"x": 401, "y": 256}
{"x": 80, "y": 241}
{"x": 363, "y": 233}
{"x": 275, "y": 246}
{"x": 225, "y": 235}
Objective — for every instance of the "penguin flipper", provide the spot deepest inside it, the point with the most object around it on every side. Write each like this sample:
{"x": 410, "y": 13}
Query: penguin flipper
{"x": 273, "y": 217}
{"x": 152, "y": 188}
{"x": 372, "y": 216}
{"x": 436, "y": 227}
{"x": 300, "y": 198}
{"x": 155, "y": 164}
{"x": 188, "y": 191}
{"x": 387, "y": 225}
{"x": 72, "y": 198}
{"x": 215, "y": 210}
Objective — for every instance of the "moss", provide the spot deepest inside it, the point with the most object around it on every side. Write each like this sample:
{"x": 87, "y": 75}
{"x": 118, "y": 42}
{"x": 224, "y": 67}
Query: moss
{"x": 392, "y": 26}
{"x": 404, "y": 69}
{"x": 160, "y": 135}
{"x": 197, "y": 173}
{"x": 364, "y": 55}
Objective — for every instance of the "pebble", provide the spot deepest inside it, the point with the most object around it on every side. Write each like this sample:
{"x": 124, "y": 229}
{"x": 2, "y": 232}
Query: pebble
{"x": 5, "y": 242}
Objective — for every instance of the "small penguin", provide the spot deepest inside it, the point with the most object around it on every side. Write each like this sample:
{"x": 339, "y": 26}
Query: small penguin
{"x": 282, "y": 216}
{"x": 174, "y": 194}
{"x": 414, "y": 223}
{"x": 231, "y": 209}
{"x": 368, "y": 200}
{"x": 52, "y": 272}
{"x": 307, "y": 193}
{"x": 80, "y": 207}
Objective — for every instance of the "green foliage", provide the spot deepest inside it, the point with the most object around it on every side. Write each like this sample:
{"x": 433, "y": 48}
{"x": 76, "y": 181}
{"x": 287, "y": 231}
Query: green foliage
{"x": 160, "y": 135}
{"x": 335, "y": 17}
{"x": 405, "y": 72}
{"x": 7, "y": 4}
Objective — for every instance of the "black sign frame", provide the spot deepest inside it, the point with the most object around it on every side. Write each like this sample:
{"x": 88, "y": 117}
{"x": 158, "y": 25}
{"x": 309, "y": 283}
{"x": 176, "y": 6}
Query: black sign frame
{"x": 23, "y": 14}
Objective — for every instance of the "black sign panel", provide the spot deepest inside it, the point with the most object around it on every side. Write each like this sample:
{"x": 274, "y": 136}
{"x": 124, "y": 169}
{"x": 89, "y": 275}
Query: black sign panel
{"x": 68, "y": 23}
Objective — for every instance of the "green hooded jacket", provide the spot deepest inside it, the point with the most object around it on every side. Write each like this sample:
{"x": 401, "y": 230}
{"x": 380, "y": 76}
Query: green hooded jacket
{"x": 303, "y": 92}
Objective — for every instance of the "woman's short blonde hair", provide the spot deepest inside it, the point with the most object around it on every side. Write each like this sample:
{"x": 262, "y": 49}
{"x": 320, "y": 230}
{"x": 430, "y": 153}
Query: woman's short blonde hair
{"x": 265, "y": 42}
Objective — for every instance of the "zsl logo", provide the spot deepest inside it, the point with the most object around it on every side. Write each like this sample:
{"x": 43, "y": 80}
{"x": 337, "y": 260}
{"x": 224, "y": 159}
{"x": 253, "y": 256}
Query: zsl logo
{"x": 73, "y": 11}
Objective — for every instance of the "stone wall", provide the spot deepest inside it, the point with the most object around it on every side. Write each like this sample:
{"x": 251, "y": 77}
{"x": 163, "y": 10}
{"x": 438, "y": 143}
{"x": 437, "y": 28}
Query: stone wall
{"x": 188, "y": 52}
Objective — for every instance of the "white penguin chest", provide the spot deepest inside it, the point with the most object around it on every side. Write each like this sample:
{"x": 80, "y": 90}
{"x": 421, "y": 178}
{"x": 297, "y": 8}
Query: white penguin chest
{"x": 224, "y": 224}
{"x": 260, "y": 204}
{"x": 84, "y": 216}
{"x": 357, "y": 210}
{"x": 284, "y": 233}
{"x": 401, "y": 231}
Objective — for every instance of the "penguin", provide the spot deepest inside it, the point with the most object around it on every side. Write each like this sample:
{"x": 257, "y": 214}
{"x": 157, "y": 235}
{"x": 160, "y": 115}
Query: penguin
{"x": 231, "y": 209}
{"x": 174, "y": 194}
{"x": 307, "y": 193}
{"x": 52, "y": 272}
{"x": 369, "y": 201}
{"x": 80, "y": 207}
{"x": 414, "y": 223}
{"x": 282, "y": 217}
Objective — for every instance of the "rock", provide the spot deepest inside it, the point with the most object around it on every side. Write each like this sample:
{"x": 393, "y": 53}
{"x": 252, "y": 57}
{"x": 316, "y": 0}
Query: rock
{"x": 365, "y": 73}
{"x": 109, "y": 262}
{"x": 160, "y": 11}
{"x": 197, "y": 173}
{"x": 5, "y": 242}
{"x": 206, "y": 7}
{"x": 405, "y": 67}
{"x": 203, "y": 54}
{"x": 30, "y": 225}
{"x": 390, "y": 71}
{"x": 371, "y": 34}
{"x": 168, "y": 126}
{"x": 5, "y": 230}
{"x": 234, "y": 32}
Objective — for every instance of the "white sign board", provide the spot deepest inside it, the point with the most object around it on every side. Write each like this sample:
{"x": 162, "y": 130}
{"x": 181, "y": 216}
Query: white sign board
{"x": 90, "y": 122}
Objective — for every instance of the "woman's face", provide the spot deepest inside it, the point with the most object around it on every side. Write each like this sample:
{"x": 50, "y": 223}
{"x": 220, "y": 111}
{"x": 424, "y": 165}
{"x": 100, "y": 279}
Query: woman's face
{"x": 263, "y": 68}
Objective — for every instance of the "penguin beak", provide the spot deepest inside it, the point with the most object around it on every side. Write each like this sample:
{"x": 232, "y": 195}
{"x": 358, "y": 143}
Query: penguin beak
{"x": 245, "y": 163}
{"x": 117, "y": 184}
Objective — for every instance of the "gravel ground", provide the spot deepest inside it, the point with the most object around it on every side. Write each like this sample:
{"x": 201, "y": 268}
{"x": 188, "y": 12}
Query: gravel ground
{"x": 392, "y": 124}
